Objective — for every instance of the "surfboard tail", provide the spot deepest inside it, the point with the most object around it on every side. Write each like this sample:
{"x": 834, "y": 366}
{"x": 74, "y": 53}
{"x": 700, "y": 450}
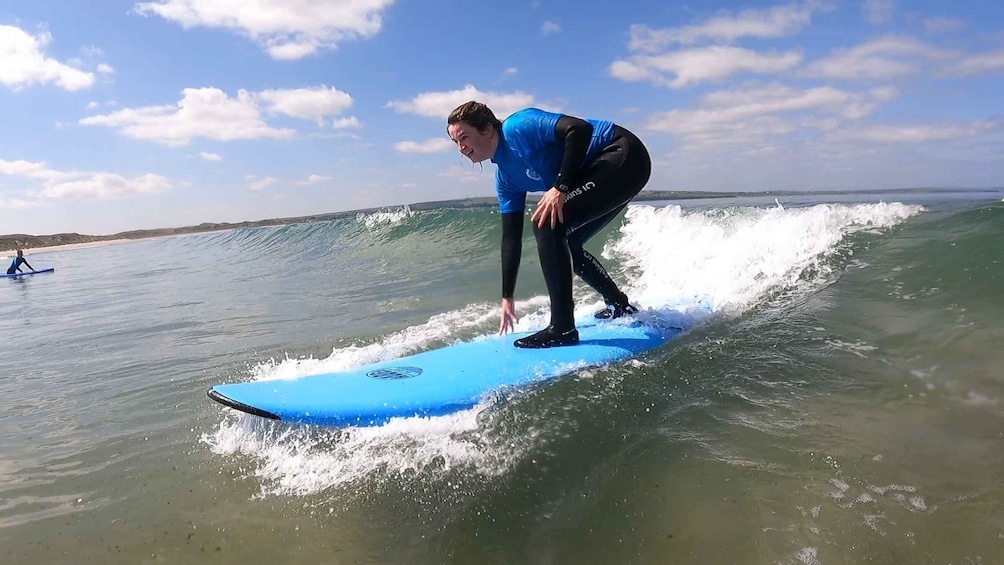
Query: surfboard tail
{"x": 215, "y": 395}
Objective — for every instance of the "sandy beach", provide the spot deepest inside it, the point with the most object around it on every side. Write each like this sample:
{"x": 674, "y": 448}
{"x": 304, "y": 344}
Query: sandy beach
{"x": 36, "y": 250}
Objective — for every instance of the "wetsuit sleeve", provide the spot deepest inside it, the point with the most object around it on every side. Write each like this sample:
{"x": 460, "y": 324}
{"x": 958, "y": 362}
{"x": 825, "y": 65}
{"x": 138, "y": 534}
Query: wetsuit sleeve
{"x": 512, "y": 248}
{"x": 576, "y": 135}
{"x": 29, "y": 266}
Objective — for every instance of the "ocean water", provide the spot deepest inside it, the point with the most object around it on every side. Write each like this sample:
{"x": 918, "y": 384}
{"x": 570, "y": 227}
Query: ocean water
{"x": 841, "y": 400}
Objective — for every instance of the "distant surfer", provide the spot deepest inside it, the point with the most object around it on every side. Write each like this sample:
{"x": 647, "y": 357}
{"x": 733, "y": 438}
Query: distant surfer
{"x": 588, "y": 170}
{"x": 15, "y": 265}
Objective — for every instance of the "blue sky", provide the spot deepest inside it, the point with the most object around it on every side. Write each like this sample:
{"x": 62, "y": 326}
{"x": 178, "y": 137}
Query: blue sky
{"x": 123, "y": 115}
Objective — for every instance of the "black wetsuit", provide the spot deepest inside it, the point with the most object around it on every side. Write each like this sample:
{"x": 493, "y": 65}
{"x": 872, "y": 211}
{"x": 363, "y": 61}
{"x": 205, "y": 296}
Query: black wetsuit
{"x": 608, "y": 178}
{"x": 15, "y": 265}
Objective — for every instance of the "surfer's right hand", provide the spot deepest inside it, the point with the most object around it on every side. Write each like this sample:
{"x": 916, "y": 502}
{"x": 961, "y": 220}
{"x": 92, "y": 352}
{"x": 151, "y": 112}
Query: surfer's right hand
{"x": 508, "y": 318}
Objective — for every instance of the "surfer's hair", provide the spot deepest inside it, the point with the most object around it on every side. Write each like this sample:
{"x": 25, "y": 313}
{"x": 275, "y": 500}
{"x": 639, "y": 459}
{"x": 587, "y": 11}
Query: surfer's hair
{"x": 474, "y": 114}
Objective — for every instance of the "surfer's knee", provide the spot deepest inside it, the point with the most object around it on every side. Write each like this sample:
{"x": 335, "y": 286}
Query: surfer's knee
{"x": 547, "y": 234}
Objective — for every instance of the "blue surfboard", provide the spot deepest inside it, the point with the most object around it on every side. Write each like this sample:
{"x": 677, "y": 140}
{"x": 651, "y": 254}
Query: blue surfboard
{"x": 436, "y": 382}
{"x": 26, "y": 273}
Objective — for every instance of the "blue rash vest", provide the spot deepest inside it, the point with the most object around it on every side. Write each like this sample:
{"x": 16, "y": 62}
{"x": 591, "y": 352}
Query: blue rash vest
{"x": 529, "y": 155}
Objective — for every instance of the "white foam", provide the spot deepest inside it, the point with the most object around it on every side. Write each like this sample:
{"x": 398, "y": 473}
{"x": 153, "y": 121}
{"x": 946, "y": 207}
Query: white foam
{"x": 299, "y": 461}
{"x": 858, "y": 348}
{"x": 976, "y": 399}
{"x": 808, "y": 556}
{"x": 730, "y": 259}
{"x": 894, "y": 488}
{"x": 842, "y": 489}
{"x": 385, "y": 217}
{"x": 393, "y": 346}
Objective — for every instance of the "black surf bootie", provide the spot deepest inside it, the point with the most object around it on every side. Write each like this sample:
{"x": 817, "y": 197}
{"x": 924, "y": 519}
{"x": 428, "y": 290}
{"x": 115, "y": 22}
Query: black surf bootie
{"x": 548, "y": 337}
{"x": 615, "y": 310}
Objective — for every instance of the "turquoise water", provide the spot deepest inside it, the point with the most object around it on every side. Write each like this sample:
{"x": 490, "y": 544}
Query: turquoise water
{"x": 842, "y": 402}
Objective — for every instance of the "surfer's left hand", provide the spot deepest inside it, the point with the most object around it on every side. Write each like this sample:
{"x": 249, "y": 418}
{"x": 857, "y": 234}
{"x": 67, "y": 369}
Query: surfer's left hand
{"x": 549, "y": 208}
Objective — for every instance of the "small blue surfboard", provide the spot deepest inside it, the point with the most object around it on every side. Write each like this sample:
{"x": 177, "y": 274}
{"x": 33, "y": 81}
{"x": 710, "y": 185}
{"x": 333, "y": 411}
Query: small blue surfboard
{"x": 437, "y": 382}
{"x": 26, "y": 273}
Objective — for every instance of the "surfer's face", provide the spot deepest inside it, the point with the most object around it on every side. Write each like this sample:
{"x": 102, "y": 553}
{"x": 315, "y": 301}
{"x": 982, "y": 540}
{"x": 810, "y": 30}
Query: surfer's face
{"x": 473, "y": 144}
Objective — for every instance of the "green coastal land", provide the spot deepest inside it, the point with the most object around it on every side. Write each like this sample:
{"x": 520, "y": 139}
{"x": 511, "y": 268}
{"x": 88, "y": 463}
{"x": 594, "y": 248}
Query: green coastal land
{"x": 25, "y": 241}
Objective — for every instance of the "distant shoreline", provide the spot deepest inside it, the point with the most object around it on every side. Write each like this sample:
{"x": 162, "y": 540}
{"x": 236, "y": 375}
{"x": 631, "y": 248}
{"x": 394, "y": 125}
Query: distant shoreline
{"x": 11, "y": 242}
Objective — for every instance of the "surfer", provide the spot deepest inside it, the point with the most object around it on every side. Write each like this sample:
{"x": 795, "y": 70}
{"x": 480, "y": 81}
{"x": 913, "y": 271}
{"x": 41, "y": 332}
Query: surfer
{"x": 588, "y": 170}
{"x": 15, "y": 265}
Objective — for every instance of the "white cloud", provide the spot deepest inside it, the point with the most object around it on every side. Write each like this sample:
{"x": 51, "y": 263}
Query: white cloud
{"x": 779, "y": 21}
{"x": 29, "y": 169}
{"x": 878, "y": 11}
{"x": 945, "y": 131}
{"x": 285, "y": 29}
{"x": 820, "y": 124}
{"x": 107, "y": 185}
{"x": 22, "y": 62}
{"x": 348, "y": 122}
{"x": 210, "y": 156}
{"x": 307, "y": 103}
{"x": 105, "y": 69}
{"x": 755, "y": 113}
{"x": 211, "y": 113}
{"x": 347, "y": 135}
{"x": 263, "y": 183}
{"x": 892, "y": 57}
{"x": 510, "y": 71}
{"x": 880, "y": 59}
{"x": 943, "y": 24}
{"x": 18, "y": 204}
{"x": 976, "y": 64}
{"x": 75, "y": 184}
{"x": 314, "y": 179}
{"x": 463, "y": 175}
{"x": 550, "y": 27}
{"x": 440, "y": 104}
{"x": 266, "y": 182}
{"x": 202, "y": 112}
{"x": 693, "y": 66}
{"x": 92, "y": 105}
{"x": 656, "y": 59}
{"x": 776, "y": 98}
{"x": 434, "y": 145}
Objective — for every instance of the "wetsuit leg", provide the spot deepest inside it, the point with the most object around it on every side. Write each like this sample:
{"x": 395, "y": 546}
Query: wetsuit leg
{"x": 602, "y": 189}
{"x": 587, "y": 266}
